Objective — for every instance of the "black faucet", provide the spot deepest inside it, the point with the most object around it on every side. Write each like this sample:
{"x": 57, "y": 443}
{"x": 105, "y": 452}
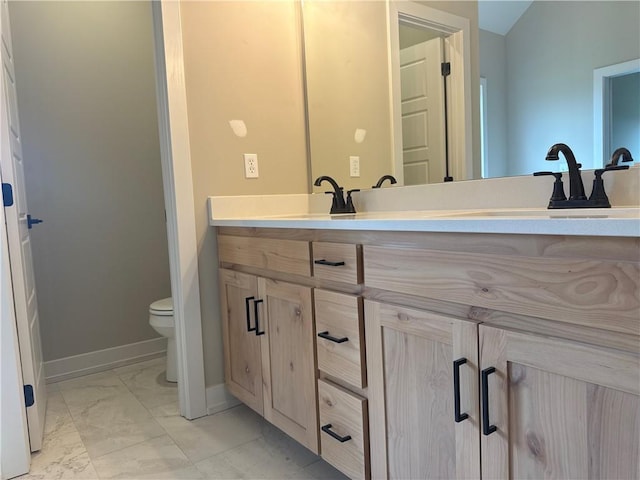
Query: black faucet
{"x": 576, "y": 188}
{"x": 620, "y": 153}
{"x": 391, "y": 179}
{"x": 338, "y": 204}
{"x": 577, "y": 198}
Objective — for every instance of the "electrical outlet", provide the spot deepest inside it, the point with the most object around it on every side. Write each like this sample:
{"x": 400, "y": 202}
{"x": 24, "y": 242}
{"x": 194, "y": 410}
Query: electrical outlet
{"x": 354, "y": 166}
{"x": 250, "y": 165}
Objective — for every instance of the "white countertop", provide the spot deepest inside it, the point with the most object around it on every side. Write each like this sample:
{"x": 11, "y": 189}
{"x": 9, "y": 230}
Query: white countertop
{"x": 613, "y": 222}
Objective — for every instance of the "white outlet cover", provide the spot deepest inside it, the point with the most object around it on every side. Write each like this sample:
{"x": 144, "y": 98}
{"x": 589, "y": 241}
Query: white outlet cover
{"x": 354, "y": 167}
{"x": 250, "y": 165}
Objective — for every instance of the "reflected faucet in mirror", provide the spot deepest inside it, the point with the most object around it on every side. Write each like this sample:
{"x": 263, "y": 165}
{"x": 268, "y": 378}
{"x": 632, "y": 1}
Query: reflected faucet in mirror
{"x": 391, "y": 178}
{"x": 623, "y": 153}
{"x": 338, "y": 203}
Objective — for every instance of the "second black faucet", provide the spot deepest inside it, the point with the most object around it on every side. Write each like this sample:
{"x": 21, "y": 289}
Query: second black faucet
{"x": 338, "y": 203}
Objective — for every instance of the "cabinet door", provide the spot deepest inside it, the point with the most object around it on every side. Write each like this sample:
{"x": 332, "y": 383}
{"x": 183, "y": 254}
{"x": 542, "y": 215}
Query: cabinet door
{"x": 242, "y": 354}
{"x": 557, "y": 409}
{"x": 411, "y": 359}
{"x": 288, "y": 360}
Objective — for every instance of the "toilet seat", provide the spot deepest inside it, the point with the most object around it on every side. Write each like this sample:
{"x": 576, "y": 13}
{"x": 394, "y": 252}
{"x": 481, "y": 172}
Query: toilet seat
{"x": 162, "y": 308}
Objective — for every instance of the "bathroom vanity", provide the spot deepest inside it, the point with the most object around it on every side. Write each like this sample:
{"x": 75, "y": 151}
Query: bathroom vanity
{"x": 440, "y": 344}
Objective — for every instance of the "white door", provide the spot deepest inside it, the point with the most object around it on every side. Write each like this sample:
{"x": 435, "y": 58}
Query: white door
{"x": 422, "y": 97}
{"x": 24, "y": 292}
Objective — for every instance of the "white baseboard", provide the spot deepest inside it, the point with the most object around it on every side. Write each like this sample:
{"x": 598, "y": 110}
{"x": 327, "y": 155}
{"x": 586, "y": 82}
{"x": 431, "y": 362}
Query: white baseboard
{"x": 101, "y": 360}
{"x": 219, "y": 399}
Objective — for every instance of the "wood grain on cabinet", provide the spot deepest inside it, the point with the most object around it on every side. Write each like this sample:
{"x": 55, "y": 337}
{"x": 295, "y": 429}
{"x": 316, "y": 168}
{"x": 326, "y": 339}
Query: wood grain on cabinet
{"x": 575, "y": 290}
{"x": 288, "y": 256}
{"x": 561, "y": 409}
{"x": 410, "y": 355}
{"x": 242, "y": 354}
{"x": 345, "y": 414}
{"x": 288, "y": 360}
{"x": 341, "y": 316}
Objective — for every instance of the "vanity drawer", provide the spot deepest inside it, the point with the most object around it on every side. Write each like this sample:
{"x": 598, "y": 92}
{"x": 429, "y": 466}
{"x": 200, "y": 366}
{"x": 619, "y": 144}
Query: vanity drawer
{"x": 567, "y": 287}
{"x": 287, "y": 256}
{"x": 344, "y": 436}
{"x": 340, "y": 342}
{"x": 340, "y": 262}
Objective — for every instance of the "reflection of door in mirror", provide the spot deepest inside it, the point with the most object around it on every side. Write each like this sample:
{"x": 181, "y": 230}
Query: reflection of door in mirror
{"x": 422, "y": 98}
{"x": 432, "y": 114}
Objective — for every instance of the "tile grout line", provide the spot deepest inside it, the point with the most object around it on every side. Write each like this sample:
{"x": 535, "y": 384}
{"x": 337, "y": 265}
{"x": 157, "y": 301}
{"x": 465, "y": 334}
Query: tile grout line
{"x": 66, "y": 406}
{"x": 166, "y": 432}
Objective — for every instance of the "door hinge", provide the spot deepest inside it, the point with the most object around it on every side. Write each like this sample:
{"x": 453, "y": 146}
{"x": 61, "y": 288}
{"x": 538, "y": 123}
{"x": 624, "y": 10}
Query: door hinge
{"x": 7, "y": 194}
{"x": 445, "y": 68}
{"x": 29, "y": 399}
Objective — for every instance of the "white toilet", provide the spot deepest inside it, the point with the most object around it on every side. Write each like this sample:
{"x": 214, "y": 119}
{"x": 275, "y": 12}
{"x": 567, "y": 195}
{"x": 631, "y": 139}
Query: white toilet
{"x": 161, "y": 319}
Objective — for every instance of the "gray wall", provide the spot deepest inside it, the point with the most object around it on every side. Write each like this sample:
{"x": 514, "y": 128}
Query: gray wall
{"x": 625, "y": 97}
{"x": 550, "y": 75}
{"x": 493, "y": 59}
{"x": 86, "y": 96}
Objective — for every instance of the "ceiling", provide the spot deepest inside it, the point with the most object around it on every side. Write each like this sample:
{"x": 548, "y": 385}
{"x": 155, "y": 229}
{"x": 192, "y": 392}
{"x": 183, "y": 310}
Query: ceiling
{"x": 498, "y": 16}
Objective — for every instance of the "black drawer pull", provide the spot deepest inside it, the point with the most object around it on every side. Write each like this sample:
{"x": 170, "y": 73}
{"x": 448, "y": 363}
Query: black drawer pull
{"x": 255, "y": 312}
{"x": 487, "y": 428}
{"x": 327, "y": 429}
{"x": 326, "y": 336}
{"x": 328, "y": 263}
{"x": 457, "y": 416}
{"x": 247, "y": 301}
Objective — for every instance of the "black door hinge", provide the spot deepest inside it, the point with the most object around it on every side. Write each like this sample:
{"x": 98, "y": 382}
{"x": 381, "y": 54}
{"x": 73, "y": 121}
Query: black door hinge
{"x": 29, "y": 399}
{"x": 7, "y": 194}
{"x": 445, "y": 68}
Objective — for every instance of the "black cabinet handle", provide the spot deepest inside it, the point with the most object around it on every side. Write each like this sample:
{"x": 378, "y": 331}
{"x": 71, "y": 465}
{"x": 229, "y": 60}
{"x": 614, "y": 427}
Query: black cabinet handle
{"x": 327, "y": 429}
{"x": 487, "y": 428}
{"x": 255, "y": 312}
{"x": 458, "y": 417}
{"x": 328, "y": 263}
{"x": 247, "y": 301}
{"x": 326, "y": 336}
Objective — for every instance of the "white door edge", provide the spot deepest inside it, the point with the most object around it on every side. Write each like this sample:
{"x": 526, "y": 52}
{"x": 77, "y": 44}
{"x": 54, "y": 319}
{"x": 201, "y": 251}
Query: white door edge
{"x": 178, "y": 193}
{"x": 15, "y": 451}
{"x": 15, "y": 454}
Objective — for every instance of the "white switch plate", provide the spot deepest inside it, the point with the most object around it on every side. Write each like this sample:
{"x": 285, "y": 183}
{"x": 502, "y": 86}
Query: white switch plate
{"x": 354, "y": 166}
{"x": 250, "y": 165}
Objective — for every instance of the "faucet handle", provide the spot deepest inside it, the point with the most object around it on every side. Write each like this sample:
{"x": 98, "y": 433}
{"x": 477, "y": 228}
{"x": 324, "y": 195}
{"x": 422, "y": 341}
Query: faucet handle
{"x": 349, "y": 205}
{"x": 598, "y": 197}
{"x": 558, "y": 187}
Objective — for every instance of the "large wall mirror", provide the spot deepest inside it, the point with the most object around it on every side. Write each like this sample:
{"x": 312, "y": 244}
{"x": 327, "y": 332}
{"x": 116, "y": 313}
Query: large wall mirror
{"x": 538, "y": 63}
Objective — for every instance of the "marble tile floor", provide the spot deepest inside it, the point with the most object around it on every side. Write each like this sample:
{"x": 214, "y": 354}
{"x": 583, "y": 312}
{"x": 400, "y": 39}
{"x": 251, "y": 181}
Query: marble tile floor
{"x": 124, "y": 423}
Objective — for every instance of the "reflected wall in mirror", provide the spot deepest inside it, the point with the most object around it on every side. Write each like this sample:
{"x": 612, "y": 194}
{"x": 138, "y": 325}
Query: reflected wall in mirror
{"x": 538, "y": 70}
{"x": 347, "y": 83}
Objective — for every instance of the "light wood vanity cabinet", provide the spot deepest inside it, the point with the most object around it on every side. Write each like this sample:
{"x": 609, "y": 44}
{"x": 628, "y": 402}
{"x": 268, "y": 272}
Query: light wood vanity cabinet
{"x": 560, "y": 409}
{"x": 242, "y": 347}
{"x": 558, "y": 361}
{"x": 468, "y": 355}
{"x": 417, "y": 429}
{"x": 268, "y": 335}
